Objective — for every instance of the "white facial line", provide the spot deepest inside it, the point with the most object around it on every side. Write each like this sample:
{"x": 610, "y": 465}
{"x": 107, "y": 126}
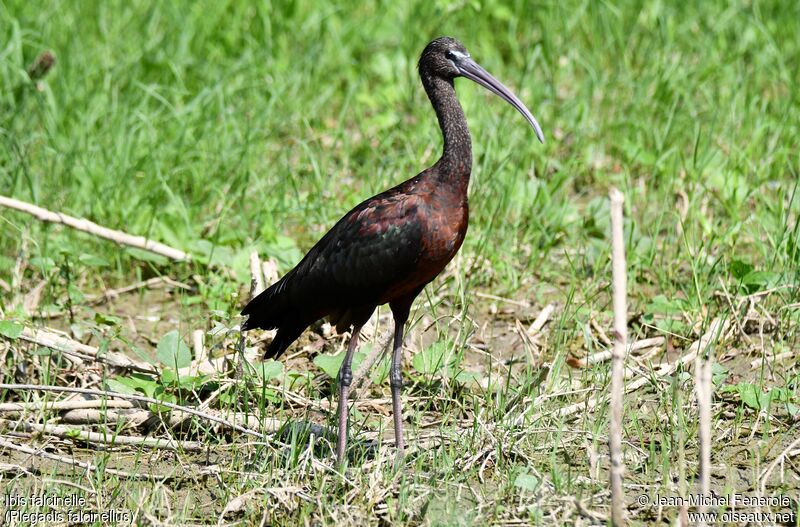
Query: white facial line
{"x": 460, "y": 54}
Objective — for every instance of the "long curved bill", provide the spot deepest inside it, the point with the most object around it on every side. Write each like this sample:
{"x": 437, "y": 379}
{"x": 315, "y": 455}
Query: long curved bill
{"x": 474, "y": 72}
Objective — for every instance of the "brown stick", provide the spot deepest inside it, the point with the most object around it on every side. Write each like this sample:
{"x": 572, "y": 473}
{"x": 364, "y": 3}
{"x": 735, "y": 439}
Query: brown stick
{"x": 619, "y": 279}
{"x": 51, "y": 339}
{"x": 270, "y": 271}
{"x": 111, "y": 439}
{"x": 90, "y": 227}
{"x": 633, "y": 349}
{"x": 256, "y": 275}
{"x": 702, "y": 374}
{"x": 135, "y": 418}
{"x": 541, "y": 319}
{"x": 132, "y": 417}
{"x": 141, "y": 398}
{"x": 34, "y": 296}
{"x": 787, "y": 452}
{"x": 369, "y": 361}
{"x": 77, "y": 404}
{"x": 716, "y": 331}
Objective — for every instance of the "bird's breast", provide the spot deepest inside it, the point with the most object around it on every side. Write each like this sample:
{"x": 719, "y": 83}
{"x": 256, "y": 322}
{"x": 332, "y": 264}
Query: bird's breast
{"x": 446, "y": 227}
{"x": 442, "y": 235}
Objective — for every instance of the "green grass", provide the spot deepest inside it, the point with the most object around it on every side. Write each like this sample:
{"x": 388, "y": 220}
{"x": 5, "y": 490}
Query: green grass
{"x": 226, "y": 127}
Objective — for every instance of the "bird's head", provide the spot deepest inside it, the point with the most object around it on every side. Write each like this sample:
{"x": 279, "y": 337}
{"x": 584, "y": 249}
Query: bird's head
{"x": 447, "y": 58}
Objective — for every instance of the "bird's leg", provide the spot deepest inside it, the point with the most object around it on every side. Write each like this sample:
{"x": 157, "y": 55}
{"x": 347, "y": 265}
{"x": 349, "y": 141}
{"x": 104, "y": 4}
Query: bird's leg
{"x": 396, "y": 381}
{"x": 345, "y": 378}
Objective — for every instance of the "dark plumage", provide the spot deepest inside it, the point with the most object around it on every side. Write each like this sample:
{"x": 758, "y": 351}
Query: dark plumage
{"x": 390, "y": 246}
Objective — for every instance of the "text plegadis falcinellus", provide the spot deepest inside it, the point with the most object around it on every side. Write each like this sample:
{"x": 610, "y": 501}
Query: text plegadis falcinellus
{"x": 390, "y": 246}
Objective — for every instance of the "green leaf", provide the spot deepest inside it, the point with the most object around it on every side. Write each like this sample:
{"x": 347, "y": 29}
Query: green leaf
{"x": 147, "y": 256}
{"x": 793, "y": 250}
{"x": 162, "y": 396}
{"x": 294, "y": 380}
{"x": 91, "y": 260}
{"x": 467, "y": 377}
{"x": 103, "y": 319}
{"x": 748, "y": 394}
{"x": 740, "y": 269}
{"x": 330, "y": 364}
{"x": 782, "y": 395}
{"x": 272, "y": 395}
{"x": 75, "y": 294}
{"x": 10, "y": 330}
{"x": 132, "y": 385}
{"x": 268, "y": 370}
{"x": 718, "y": 373}
{"x": 431, "y": 359}
{"x": 381, "y": 371}
{"x": 79, "y": 329}
{"x": 173, "y": 352}
{"x": 527, "y": 482}
{"x": 170, "y": 377}
{"x": 662, "y": 305}
{"x": 42, "y": 262}
{"x": 752, "y": 396}
{"x": 760, "y": 280}
{"x": 73, "y": 433}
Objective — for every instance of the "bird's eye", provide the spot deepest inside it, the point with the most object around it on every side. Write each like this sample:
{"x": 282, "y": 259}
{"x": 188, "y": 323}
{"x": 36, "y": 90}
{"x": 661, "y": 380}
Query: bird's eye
{"x": 450, "y": 55}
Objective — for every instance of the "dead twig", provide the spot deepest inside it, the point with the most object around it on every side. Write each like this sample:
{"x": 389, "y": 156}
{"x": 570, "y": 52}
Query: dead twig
{"x": 51, "y": 339}
{"x": 256, "y": 287}
{"x": 270, "y": 271}
{"x": 734, "y": 314}
{"x": 702, "y": 375}
{"x": 132, "y": 397}
{"x": 90, "y": 227}
{"x": 374, "y": 355}
{"x": 34, "y": 296}
{"x": 130, "y": 417}
{"x": 717, "y": 330}
{"x": 786, "y": 355}
{"x": 60, "y": 406}
{"x": 619, "y": 281}
{"x": 218, "y": 365}
{"x": 787, "y": 452}
{"x": 541, "y": 319}
{"x": 602, "y": 356}
{"x": 108, "y": 438}
{"x": 256, "y": 275}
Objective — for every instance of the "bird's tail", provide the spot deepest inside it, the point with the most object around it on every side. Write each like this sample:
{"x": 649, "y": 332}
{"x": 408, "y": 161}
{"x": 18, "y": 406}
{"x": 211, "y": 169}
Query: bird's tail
{"x": 272, "y": 309}
{"x": 283, "y": 339}
{"x": 269, "y": 309}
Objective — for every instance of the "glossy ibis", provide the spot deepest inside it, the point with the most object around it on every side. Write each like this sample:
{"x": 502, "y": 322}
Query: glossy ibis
{"x": 390, "y": 246}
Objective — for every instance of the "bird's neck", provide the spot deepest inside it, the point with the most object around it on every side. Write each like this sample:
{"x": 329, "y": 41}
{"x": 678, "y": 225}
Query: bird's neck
{"x": 455, "y": 164}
